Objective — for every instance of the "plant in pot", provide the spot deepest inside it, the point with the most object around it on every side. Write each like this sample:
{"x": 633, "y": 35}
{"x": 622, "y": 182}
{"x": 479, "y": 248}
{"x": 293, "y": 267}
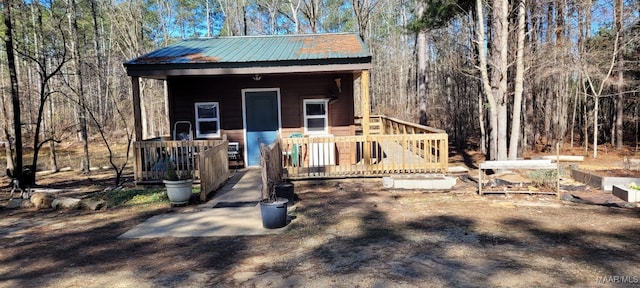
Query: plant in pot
{"x": 178, "y": 185}
{"x": 272, "y": 208}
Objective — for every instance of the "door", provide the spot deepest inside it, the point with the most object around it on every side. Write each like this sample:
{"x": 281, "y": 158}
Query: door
{"x": 262, "y": 121}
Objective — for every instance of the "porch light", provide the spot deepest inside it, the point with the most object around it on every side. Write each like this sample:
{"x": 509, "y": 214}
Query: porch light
{"x": 338, "y": 84}
{"x": 257, "y": 77}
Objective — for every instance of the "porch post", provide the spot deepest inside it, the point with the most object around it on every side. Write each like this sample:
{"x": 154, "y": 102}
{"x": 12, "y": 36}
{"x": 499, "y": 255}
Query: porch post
{"x": 137, "y": 118}
{"x": 364, "y": 90}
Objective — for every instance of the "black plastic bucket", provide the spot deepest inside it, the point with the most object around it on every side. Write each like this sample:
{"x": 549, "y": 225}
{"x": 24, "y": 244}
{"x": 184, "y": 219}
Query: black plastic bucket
{"x": 274, "y": 214}
{"x": 285, "y": 190}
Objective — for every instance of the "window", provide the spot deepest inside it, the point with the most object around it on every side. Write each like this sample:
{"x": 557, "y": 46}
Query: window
{"x": 316, "y": 116}
{"x": 207, "y": 119}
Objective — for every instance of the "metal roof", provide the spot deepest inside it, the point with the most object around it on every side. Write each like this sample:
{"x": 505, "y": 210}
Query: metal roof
{"x": 253, "y": 51}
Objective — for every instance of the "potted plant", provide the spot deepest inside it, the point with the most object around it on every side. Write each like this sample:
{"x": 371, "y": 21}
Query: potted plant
{"x": 273, "y": 209}
{"x": 178, "y": 185}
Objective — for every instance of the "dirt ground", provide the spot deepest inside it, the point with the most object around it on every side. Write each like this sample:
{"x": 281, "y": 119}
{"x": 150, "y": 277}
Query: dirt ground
{"x": 346, "y": 233}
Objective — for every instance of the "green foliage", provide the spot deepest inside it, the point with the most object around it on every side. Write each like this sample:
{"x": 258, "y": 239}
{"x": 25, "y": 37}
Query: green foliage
{"x": 130, "y": 197}
{"x": 543, "y": 177}
{"x": 438, "y": 13}
{"x": 634, "y": 186}
{"x": 173, "y": 175}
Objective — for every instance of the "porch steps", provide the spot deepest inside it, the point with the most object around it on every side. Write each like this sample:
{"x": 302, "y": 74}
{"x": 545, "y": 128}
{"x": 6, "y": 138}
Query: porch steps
{"x": 419, "y": 181}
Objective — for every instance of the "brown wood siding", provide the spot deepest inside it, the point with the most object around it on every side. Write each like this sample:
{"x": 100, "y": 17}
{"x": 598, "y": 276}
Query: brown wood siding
{"x": 294, "y": 88}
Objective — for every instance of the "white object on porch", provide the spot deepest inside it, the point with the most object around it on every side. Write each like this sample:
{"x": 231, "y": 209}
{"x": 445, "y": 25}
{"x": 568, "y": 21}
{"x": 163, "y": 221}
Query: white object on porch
{"x": 322, "y": 153}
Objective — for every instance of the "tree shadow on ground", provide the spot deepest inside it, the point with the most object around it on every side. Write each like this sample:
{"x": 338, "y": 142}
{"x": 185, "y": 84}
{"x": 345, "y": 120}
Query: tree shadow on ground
{"x": 46, "y": 256}
{"x": 452, "y": 250}
{"x": 342, "y": 232}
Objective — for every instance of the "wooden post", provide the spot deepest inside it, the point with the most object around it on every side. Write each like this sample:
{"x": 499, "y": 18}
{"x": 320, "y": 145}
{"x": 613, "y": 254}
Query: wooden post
{"x": 364, "y": 90}
{"x": 264, "y": 173}
{"x": 137, "y": 118}
{"x": 444, "y": 153}
{"x": 480, "y": 181}
{"x": 558, "y": 171}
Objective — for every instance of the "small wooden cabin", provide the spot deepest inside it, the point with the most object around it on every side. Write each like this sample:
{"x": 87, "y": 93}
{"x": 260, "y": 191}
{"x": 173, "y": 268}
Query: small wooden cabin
{"x": 309, "y": 91}
{"x": 251, "y": 88}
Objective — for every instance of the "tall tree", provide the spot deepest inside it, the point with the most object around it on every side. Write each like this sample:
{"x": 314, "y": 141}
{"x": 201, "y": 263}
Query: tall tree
{"x": 15, "y": 94}
{"x": 519, "y": 84}
{"x": 362, "y": 10}
{"x": 422, "y": 59}
{"x": 311, "y": 12}
{"x": 42, "y": 61}
{"x": 619, "y": 18}
{"x": 83, "y": 133}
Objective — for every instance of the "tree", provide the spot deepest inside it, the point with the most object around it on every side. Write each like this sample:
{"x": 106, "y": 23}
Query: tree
{"x": 362, "y": 10}
{"x": 596, "y": 89}
{"x": 15, "y": 95}
{"x": 41, "y": 56}
{"x": 519, "y": 84}
{"x": 619, "y": 16}
{"x": 235, "y": 18}
{"x": 311, "y": 11}
{"x": 78, "y": 85}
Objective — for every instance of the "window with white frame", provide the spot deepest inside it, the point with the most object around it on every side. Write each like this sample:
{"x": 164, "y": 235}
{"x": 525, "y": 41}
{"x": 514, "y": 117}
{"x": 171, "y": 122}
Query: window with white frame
{"x": 207, "y": 119}
{"x": 316, "y": 116}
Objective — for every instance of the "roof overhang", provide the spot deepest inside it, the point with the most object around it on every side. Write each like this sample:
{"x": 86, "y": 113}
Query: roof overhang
{"x": 162, "y": 71}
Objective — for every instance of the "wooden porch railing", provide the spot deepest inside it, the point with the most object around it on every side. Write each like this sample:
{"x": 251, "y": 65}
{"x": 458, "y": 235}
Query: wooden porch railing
{"x": 214, "y": 168}
{"x": 380, "y": 124}
{"x": 152, "y": 157}
{"x": 395, "y": 147}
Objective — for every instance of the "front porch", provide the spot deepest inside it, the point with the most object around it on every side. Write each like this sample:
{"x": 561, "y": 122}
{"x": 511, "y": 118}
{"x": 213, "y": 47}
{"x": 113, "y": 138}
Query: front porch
{"x": 392, "y": 147}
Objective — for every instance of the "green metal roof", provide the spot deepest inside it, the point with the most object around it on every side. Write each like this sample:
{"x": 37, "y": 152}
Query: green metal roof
{"x": 260, "y": 49}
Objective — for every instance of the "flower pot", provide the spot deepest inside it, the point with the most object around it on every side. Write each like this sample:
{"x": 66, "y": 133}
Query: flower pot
{"x": 274, "y": 214}
{"x": 285, "y": 190}
{"x": 179, "y": 191}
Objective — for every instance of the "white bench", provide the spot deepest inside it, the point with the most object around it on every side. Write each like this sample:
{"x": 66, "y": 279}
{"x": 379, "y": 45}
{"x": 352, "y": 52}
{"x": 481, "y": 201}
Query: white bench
{"x": 546, "y": 164}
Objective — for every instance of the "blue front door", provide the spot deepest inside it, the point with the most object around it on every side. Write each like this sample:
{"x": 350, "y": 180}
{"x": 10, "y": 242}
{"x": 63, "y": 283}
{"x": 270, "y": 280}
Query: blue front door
{"x": 262, "y": 120}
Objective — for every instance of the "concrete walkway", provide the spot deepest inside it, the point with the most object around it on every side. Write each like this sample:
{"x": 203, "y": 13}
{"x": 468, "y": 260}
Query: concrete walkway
{"x": 233, "y": 211}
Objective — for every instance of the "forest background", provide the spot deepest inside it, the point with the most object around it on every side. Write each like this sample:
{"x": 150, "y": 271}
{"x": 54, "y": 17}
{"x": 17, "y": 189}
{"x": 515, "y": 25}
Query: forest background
{"x": 503, "y": 77}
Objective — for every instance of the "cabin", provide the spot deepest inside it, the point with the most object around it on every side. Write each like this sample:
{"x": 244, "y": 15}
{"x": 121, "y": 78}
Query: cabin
{"x": 306, "y": 96}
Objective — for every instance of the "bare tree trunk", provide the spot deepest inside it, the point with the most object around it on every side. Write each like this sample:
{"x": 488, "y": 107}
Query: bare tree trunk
{"x": 208, "y": 17}
{"x": 619, "y": 12}
{"x": 81, "y": 105}
{"x": 6, "y": 128}
{"x": 486, "y": 84}
{"x": 294, "y": 15}
{"x": 573, "y": 114}
{"x": 15, "y": 95}
{"x": 519, "y": 85}
{"x": 422, "y": 59}
{"x": 499, "y": 61}
{"x": 483, "y": 133}
{"x": 311, "y": 10}
{"x": 598, "y": 91}
{"x": 53, "y": 159}
{"x": 99, "y": 54}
